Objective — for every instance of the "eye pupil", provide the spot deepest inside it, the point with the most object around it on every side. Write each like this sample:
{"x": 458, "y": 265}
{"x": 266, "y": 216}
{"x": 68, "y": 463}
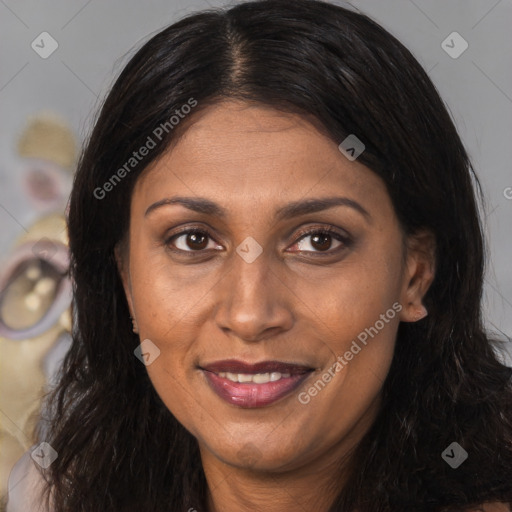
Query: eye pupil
{"x": 196, "y": 240}
{"x": 321, "y": 241}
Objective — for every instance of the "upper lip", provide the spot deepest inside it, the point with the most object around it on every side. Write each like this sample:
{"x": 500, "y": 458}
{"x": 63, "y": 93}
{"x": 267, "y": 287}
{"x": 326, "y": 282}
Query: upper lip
{"x": 235, "y": 366}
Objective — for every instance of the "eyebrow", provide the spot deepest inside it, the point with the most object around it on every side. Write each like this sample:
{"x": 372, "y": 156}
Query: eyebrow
{"x": 293, "y": 209}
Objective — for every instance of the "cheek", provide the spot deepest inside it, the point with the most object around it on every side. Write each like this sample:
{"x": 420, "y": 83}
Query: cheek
{"x": 168, "y": 311}
{"x": 171, "y": 385}
{"x": 167, "y": 303}
{"x": 347, "y": 300}
{"x": 356, "y": 311}
{"x": 344, "y": 393}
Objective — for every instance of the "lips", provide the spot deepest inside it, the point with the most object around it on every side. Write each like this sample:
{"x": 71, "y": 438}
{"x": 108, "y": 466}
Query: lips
{"x": 254, "y": 385}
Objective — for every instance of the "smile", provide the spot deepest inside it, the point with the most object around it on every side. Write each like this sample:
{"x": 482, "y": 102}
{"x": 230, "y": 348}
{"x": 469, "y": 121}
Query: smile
{"x": 256, "y": 385}
{"x": 258, "y": 378}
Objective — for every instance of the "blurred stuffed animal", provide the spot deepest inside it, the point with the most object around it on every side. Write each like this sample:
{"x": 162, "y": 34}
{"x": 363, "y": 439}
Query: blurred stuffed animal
{"x": 35, "y": 290}
{"x": 34, "y": 313}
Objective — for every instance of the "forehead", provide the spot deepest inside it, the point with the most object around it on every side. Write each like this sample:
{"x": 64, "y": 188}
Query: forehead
{"x": 237, "y": 148}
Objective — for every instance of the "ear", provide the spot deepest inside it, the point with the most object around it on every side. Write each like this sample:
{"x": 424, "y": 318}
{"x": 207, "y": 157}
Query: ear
{"x": 418, "y": 275}
{"x": 123, "y": 266}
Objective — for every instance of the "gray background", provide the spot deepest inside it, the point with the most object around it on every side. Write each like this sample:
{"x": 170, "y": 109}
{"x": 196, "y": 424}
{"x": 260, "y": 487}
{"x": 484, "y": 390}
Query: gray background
{"x": 96, "y": 38}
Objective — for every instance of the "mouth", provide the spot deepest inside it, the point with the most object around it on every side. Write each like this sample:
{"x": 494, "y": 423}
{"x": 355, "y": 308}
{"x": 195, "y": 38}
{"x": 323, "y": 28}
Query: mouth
{"x": 254, "y": 385}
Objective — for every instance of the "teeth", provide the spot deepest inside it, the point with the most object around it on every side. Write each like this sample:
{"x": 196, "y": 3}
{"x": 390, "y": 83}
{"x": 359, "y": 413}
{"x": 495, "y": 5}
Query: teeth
{"x": 258, "y": 378}
{"x": 261, "y": 378}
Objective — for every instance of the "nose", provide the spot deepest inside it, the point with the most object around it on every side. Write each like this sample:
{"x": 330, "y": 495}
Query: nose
{"x": 253, "y": 303}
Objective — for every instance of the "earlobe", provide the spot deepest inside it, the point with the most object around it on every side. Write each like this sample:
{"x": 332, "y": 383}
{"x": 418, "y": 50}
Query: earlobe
{"x": 418, "y": 276}
{"x": 414, "y": 312}
{"x": 135, "y": 327}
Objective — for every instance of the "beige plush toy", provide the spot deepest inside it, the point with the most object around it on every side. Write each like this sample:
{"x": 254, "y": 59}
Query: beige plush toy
{"x": 35, "y": 301}
{"x": 35, "y": 291}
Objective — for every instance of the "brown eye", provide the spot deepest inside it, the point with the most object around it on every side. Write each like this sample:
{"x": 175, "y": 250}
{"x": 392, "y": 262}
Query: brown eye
{"x": 322, "y": 241}
{"x": 196, "y": 240}
{"x": 192, "y": 240}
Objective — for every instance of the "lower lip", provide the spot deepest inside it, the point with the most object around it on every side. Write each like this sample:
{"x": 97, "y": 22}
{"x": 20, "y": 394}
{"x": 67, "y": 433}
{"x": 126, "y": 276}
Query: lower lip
{"x": 250, "y": 395}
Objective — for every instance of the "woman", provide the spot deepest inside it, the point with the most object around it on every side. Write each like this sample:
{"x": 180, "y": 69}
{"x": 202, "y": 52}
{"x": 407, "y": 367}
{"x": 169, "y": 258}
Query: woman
{"x": 278, "y": 270}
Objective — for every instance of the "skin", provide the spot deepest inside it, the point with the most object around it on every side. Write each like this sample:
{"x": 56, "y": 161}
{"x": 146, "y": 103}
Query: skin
{"x": 287, "y": 305}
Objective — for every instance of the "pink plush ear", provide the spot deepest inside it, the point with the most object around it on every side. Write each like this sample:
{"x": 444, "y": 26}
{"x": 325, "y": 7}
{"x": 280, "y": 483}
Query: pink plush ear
{"x": 48, "y": 149}
{"x": 46, "y": 185}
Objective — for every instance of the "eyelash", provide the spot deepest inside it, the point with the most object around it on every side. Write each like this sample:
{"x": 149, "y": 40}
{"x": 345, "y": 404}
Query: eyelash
{"x": 345, "y": 240}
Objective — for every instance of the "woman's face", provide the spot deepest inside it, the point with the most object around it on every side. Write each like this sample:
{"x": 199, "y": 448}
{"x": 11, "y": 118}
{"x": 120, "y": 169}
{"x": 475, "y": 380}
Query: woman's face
{"x": 259, "y": 282}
